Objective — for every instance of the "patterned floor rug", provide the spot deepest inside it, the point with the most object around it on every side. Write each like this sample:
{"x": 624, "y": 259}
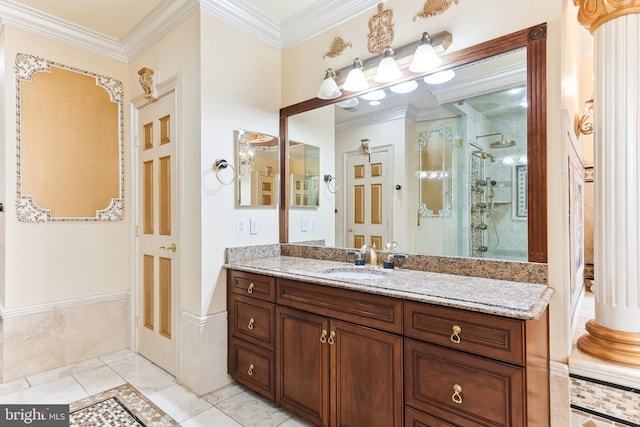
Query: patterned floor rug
{"x": 121, "y": 406}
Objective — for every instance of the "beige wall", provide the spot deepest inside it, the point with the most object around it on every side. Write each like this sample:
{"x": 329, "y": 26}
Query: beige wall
{"x": 469, "y": 23}
{"x": 50, "y": 262}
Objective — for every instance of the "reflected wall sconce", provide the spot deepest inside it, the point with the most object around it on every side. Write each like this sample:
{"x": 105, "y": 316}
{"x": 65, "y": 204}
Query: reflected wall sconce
{"x": 329, "y": 87}
{"x": 220, "y": 165}
{"x": 425, "y": 58}
{"x": 356, "y": 80}
{"x": 388, "y": 70}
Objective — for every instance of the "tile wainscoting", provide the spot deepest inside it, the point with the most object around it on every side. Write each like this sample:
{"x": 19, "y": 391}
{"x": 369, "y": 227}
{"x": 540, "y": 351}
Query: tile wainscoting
{"x": 604, "y": 402}
{"x": 43, "y": 337}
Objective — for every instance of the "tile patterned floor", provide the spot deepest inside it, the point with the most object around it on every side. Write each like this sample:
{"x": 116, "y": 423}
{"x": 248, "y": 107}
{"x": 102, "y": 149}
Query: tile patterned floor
{"x": 230, "y": 406}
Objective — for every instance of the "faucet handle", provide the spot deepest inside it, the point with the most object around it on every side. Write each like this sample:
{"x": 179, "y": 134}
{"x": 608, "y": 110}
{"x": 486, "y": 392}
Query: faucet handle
{"x": 357, "y": 255}
{"x": 389, "y": 262}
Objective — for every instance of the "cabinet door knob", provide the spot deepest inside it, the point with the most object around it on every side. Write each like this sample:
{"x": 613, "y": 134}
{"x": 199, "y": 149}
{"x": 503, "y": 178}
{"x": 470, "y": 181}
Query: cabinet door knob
{"x": 250, "y": 288}
{"x": 332, "y": 338}
{"x": 250, "y": 370}
{"x": 323, "y": 337}
{"x": 455, "y": 336}
{"x": 251, "y": 322}
{"x": 457, "y": 394}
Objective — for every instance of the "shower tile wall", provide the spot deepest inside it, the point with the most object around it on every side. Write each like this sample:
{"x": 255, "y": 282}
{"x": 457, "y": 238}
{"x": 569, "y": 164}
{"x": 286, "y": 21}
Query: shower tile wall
{"x": 506, "y": 236}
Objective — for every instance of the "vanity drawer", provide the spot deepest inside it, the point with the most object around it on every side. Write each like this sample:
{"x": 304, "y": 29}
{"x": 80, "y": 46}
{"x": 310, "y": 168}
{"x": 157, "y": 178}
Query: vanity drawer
{"x": 463, "y": 389}
{"x": 252, "y": 285}
{"x": 414, "y": 418}
{"x": 253, "y": 367}
{"x": 486, "y": 335}
{"x": 253, "y": 320}
{"x": 375, "y": 311}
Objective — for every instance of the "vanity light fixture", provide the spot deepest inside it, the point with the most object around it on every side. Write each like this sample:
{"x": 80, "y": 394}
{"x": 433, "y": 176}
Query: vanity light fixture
{"x": 425, "y": 58}
{"x": 329, "y": 87}
{"x": 356, "y": 80}
{"x": 388, "y": 69}
{"x": 440, "y": 77}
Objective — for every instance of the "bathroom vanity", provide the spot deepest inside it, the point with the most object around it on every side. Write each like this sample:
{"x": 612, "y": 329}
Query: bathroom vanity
{"x": 346, "y": 346}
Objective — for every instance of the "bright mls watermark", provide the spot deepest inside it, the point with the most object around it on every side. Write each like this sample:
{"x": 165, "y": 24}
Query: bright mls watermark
{"x": 34, "y": 415}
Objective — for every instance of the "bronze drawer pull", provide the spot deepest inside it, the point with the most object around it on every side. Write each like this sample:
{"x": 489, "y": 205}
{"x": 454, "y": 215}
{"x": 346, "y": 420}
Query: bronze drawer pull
{"x": 455, "y": 336}
{"x": 332, "y": 338}
{"x": 250, "y": 370}
{"x": 251, "y": 322}
{"x": 456, "y": 397}
{"x": 250, "y": 288}
{"x": 323, "y": 337}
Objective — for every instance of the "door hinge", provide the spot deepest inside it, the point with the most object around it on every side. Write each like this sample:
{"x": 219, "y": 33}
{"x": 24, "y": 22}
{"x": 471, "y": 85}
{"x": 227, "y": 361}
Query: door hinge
{"x": 137, "y": 321}
{"x": 137, "y": 231}
{"x": 137, "y": 141}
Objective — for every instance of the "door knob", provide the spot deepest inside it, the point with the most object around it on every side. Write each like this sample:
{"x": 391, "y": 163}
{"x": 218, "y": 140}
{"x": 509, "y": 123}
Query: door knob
{"x": 349, "y": 229}
{"x": 171, "y": 248}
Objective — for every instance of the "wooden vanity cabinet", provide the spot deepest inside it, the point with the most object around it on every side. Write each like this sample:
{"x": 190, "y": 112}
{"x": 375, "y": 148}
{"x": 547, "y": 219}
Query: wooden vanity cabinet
{"x": 334, "y": 372}
{"x": 251, "y": 335}
{"x": 472, "y": 369}
{"x": 338, "y": 357}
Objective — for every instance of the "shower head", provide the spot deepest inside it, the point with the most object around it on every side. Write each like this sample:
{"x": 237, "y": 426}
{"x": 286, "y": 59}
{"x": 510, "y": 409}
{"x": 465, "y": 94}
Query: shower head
{"x": 498, "y": 144}
{"x": 503, "y": 143}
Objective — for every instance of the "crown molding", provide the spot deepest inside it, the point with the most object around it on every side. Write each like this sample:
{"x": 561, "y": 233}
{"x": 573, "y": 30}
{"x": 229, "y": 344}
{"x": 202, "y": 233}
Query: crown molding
{"x": 33, "y": 21}
{"x": 239, "y": 14}
{"x": 319, "y": 17}
{"x": 168, "y": 15}
{"x": 245, "y": 17}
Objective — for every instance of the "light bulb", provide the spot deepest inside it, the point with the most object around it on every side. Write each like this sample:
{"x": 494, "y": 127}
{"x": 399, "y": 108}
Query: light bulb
{"x": 356, "y": 80}
{"x": 388, "y": 69}
{"x": 329, "y": 87}
{"x": 425, "y": 58}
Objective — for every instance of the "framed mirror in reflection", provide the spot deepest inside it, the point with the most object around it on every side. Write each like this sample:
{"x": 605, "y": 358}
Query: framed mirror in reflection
{"x": 466, "y": 170}
{"x": 258, "y": 166}
{"x": 304, "y": 175}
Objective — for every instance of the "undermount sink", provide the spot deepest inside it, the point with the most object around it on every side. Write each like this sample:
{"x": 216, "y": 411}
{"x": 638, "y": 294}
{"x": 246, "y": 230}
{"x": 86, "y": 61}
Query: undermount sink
{"x": 354, "y": 273}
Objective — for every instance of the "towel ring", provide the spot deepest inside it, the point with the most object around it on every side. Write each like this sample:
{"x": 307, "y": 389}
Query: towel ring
{"x": 221, "y": 164}
{"x": 328, "y": 179}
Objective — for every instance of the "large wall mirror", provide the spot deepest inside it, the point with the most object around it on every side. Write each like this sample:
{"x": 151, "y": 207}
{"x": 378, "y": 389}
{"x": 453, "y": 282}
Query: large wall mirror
{"x": 258, "y": 168}
{"x": 463, "y": 161}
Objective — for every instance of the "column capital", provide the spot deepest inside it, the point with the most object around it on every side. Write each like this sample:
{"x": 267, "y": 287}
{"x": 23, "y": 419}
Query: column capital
{"x": 593, "y": 13}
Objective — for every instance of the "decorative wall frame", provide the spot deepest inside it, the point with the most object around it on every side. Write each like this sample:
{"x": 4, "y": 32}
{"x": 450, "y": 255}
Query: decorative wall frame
{"x": 69, "y": 141}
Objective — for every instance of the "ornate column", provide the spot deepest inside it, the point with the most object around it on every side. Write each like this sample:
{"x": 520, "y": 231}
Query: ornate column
{"x": 614, "y": 334}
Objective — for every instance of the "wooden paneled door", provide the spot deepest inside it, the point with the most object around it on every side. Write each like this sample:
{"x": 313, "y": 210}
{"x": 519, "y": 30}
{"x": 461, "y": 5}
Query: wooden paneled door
{"x": 368, "y": 203}
{"x": 156, "y": 229}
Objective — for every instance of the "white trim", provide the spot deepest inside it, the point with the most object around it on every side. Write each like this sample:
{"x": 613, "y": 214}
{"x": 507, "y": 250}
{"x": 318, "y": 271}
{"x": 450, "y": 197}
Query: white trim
{"x": 7, "y": 313}
{"x": 245, "y": 17}
{"x": 168, "y": 15}
{"x": 33, "y": 21}
{"x": 319, "y": 17}
{"x": 203, "y": 321}
{"x": 240, "y": 14}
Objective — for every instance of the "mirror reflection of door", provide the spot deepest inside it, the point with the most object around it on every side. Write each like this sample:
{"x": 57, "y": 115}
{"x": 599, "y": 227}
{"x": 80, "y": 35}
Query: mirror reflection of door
{"x": 304, "y": 170}
{"x": 368, "y": 200}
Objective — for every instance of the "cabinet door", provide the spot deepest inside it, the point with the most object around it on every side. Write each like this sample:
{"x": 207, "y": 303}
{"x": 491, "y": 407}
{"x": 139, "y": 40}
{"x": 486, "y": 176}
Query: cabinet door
{"x": 302, "y": 360}
{"x": 366, "y": 377}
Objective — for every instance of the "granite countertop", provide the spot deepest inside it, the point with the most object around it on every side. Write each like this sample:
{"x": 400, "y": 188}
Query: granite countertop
{"x": 500, "y": 297}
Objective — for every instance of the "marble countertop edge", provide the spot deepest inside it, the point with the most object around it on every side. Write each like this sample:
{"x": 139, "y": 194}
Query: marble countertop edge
{"x": 518, "y": 300}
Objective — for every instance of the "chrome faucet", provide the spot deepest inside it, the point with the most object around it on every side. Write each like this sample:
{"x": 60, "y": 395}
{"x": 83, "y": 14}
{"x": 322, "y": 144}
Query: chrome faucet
{"x": 373, "y": 255}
